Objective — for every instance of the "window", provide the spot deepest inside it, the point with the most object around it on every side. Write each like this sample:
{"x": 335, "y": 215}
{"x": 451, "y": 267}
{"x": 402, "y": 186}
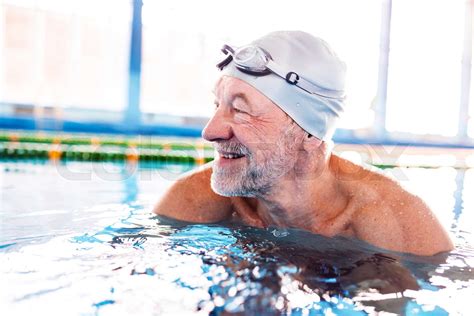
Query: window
{"x": 424, "y": 81}
{"x": 178, "y": 70}
{"x": 65, "y": 53}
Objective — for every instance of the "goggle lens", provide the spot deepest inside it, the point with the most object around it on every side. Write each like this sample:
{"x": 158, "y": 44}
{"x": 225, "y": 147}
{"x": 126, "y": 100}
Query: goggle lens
{"x": 251, "y": 58}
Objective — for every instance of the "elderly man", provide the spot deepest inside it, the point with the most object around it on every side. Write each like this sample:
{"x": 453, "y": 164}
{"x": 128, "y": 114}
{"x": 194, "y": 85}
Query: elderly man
{"x": 277, "y": 103}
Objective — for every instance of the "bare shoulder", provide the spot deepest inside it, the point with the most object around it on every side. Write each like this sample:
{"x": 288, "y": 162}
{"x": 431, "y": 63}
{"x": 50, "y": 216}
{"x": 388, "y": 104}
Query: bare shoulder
{"x": 390, "y": 217}
{"x": 191, "y": 198}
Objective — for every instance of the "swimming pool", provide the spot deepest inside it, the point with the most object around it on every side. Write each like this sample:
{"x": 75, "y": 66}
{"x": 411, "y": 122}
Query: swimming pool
{"x": 80, "y": 239}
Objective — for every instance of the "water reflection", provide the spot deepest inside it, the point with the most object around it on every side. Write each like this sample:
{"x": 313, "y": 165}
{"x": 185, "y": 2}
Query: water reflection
{"x": 306, "y": 271}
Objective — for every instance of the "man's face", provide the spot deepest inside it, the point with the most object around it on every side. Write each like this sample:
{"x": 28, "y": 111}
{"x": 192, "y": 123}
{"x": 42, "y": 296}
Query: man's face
{"x": 256, "y": 142}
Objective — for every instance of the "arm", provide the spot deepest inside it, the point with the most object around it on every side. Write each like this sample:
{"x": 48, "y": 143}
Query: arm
{"x": 191, "y": 199}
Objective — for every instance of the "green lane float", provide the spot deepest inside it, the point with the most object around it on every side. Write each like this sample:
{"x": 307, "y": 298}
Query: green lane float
{"x": 20, "y": 145}
{"x": 139, "y": 141}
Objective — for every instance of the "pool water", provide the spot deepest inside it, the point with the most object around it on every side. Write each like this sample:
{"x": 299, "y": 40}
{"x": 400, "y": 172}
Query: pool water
{"x": 80, "y": 239}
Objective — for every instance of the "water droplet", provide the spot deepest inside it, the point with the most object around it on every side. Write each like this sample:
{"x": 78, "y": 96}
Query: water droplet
{"x": 219, "y": 301}
{"x": 232, "y": 291}
{"x": 280, "y": 232}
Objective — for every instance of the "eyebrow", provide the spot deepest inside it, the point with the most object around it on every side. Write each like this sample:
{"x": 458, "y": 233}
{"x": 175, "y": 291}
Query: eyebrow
{"x": 240, "y": 95}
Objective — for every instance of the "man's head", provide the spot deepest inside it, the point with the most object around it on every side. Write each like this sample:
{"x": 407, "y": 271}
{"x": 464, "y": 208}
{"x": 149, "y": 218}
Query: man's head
{"x": 264, "y": 115}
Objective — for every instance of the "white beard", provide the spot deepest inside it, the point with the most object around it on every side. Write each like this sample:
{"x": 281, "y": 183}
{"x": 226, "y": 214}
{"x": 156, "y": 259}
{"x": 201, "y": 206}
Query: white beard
{"x": 261, "y": 170}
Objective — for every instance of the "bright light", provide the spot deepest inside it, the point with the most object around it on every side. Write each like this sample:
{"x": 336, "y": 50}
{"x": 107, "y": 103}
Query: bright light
{"x": 424, "y": 82}
{"x": 179, "y": 61}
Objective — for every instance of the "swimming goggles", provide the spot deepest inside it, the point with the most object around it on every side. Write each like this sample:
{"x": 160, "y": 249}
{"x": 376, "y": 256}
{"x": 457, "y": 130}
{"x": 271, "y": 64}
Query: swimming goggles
{"x": 255, "y": 61}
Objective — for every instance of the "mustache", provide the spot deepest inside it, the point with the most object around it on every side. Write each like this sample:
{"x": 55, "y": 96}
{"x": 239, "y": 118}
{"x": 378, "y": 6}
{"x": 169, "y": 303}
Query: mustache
{"x": 231, "y": 147}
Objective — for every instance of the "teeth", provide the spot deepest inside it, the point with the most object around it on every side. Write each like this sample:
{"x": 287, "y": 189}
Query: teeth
{"x": 230, "y": 156}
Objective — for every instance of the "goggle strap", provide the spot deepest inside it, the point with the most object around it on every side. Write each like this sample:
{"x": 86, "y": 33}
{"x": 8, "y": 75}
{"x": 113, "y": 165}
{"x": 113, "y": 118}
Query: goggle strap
{"x": 225, "y": 62}
{"x": 229, "y": 51}
{"x": 226, "y": 49}
{"x": 314, "y": 89}
{"x": 295, "y": 79}
{"x": 276, "y": 69}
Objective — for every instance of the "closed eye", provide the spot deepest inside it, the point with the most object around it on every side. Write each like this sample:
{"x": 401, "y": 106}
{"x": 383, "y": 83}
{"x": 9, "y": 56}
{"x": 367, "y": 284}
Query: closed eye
{"x": 239, "y": 103}
{"x": 239, "y": 110}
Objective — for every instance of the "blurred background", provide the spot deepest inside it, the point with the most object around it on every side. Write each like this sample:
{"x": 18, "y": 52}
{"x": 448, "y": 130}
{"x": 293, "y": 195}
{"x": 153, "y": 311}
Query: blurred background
{"x": 144, "y": 67}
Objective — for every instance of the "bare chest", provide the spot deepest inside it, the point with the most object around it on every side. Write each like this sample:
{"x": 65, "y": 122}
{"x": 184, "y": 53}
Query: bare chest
{"x": 247, "y": 212}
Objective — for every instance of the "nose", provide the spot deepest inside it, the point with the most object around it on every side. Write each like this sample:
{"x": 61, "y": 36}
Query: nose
{"x": 218, "y": 128}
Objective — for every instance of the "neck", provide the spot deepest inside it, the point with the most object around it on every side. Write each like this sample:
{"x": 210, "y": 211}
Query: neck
{"x": 304, "y": 199}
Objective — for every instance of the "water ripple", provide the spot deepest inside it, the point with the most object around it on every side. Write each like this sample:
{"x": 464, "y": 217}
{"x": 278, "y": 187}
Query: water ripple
{"x": 142, "y": 265}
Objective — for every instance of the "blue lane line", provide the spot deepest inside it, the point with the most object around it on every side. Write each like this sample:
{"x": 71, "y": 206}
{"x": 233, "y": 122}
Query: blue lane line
{"x": 100, "y": 127}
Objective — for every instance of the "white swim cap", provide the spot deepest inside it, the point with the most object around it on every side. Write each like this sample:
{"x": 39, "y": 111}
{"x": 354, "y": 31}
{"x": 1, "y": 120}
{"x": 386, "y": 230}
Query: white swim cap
{"x": 310, "y": 58}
